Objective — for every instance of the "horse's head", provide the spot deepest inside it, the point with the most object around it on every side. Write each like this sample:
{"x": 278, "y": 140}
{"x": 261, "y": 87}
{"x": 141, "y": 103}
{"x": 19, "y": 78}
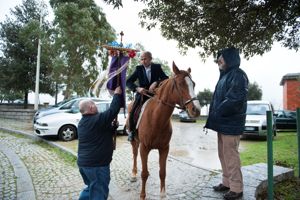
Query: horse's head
{"x": 186, "y": 97}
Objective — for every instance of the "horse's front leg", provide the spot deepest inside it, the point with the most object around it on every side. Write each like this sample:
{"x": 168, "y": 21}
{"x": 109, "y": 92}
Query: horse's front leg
{"x": 163, "y": 154}
{"x": 144, "y": 152}
{"x": 135, "y": 150}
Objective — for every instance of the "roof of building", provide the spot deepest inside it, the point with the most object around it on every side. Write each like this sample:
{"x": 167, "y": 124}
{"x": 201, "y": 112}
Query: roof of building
{"x": 290, "y": 76}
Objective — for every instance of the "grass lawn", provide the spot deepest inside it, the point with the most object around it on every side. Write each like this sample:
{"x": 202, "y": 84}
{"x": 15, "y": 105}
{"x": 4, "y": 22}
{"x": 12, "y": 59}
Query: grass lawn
{"x": 285, "y": 153}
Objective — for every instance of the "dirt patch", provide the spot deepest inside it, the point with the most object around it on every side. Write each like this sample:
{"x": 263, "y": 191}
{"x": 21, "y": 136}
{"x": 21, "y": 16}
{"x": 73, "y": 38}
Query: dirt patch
{"x": 179, "y": 152}
{"x": 289, "y": 189}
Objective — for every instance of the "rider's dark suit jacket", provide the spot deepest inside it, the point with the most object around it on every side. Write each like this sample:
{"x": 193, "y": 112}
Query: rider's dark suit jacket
{"x": 157, "y": 74}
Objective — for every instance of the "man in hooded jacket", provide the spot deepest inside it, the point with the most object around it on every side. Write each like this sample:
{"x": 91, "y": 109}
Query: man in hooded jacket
{"x": 227, "y": 115}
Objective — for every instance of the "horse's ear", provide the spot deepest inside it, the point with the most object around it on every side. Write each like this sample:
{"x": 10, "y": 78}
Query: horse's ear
{"x": 175, "y": 68}
{"x": 189, "y": 70}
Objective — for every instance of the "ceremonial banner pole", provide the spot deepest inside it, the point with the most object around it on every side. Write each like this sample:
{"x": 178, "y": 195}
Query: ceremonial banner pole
{"x": 123, "y": 90}
{"x": 117, "y": 71}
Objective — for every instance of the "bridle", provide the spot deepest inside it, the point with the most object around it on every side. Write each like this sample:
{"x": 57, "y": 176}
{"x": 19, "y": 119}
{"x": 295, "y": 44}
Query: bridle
{"x": 182, "y": 104}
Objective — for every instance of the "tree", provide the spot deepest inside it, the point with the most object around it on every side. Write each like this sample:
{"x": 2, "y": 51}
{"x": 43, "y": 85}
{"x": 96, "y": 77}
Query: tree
{"x": 205, "y": 97}
{"x": 9, "y": 95}
{"x": 251, "y": 26}
{"x": 19, "y": 40}
{"x": 164, "y": 65}
{"x": 254, "y": 92}
{"x": 81, "y": 29}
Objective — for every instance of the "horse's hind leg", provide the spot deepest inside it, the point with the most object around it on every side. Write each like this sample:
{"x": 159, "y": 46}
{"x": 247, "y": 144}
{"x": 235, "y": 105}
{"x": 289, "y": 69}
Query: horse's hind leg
{"x": 145, "y": 173}
{"x": 163, "y": 154}
{"x": 135, "y": 148}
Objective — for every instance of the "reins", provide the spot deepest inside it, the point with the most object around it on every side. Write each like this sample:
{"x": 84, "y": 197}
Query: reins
{"x": 183, "y": 104}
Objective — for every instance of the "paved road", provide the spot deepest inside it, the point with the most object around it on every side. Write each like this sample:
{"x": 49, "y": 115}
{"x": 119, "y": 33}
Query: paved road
{"x": 53, "y": 178}
{"x": 31, "y": 171}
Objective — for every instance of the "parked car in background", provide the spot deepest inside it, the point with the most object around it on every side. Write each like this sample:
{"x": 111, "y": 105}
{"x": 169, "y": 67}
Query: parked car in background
{"x": 184, "y": 117}
{"x": 122, "y": 117}
{"x": 64, "y": 124}
{"x": 256, "y": 119}
{"x": 63, "y": 106}
{"x": 285, "y": 120}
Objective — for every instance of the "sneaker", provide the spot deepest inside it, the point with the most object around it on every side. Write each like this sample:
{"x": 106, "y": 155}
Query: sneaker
{"x": 232, "y": 195}
{"x": 220, "y": 188}
{"x": 130, "y": 136}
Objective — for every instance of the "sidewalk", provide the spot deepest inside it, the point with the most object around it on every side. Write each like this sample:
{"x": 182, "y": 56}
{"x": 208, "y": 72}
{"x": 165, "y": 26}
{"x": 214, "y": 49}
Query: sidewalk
{"x": 44, "y": 175}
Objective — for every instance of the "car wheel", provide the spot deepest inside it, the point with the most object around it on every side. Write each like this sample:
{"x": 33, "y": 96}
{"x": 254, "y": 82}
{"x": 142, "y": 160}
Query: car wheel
{"x": 67, "y": 133}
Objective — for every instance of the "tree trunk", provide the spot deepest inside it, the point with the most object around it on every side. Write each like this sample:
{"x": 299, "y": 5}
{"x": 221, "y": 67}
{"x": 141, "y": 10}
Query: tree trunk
{"x": 25, "y": 100}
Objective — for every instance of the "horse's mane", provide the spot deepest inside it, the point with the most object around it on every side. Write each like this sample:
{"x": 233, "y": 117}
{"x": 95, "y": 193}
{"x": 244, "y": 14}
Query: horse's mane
{"x": 161, "y": 85}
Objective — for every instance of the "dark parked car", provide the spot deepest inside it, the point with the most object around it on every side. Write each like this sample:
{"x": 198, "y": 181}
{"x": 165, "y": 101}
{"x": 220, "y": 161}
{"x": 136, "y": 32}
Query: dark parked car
{"x": 286, "y": 120}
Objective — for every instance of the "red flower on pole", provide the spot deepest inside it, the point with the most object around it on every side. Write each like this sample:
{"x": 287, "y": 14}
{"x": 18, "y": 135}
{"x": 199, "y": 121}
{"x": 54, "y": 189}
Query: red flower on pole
{"x": 131, "y": 53}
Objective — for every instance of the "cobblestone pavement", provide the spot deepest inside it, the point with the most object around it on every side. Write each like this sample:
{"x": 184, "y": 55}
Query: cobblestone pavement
{"x": 183, "y": 181}
{"x": 30, "y": 171}
{"x": 51, "y": 177}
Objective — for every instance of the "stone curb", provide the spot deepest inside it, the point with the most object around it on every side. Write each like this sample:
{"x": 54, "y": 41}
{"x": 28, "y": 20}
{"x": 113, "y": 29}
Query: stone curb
{"x": 112, "y": 186}
{"x": 25, "y": 188}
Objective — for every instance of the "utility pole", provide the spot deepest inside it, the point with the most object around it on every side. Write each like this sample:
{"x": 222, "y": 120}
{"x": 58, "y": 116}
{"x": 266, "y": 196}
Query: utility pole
{"x": 37, "y": 76}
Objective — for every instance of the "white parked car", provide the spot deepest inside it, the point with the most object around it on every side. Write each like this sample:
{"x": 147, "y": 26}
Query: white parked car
{"x": 256, "y": 119}
{"x": 63, "y": 106}
{"x": 64, "y": 125}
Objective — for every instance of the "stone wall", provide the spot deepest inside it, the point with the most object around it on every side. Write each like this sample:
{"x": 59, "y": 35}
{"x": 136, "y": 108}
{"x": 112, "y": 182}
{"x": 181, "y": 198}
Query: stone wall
{"x": 18, "y": 114}
{"x": 16, "y": 111}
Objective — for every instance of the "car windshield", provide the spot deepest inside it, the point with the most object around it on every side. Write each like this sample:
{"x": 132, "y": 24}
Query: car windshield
{"x": 61, "y": 103}
{"x": 291, "y": 114}
{"x": 257, "y": 109}
{"x": 102, "y": 107}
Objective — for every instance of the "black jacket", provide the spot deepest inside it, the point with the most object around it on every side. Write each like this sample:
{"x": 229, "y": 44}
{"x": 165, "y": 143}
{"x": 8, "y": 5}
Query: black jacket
{"x": 95, "y": 143}
{"x": 227, "y": 112}
{"x": 157, "y": 74}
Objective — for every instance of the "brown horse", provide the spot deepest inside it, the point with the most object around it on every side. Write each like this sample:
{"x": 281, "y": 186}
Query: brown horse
{"x": 155, "y": 129}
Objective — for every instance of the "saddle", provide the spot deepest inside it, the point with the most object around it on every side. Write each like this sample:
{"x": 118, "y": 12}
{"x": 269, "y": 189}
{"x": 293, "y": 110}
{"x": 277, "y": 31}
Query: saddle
{"x": 136, "y": 115}
{"x": 137, "y": 108}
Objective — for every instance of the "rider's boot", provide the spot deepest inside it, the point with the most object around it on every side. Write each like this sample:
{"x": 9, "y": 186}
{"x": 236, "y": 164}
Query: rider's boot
{"x": 130, "y": 136}
{"x": 130, "y": 132}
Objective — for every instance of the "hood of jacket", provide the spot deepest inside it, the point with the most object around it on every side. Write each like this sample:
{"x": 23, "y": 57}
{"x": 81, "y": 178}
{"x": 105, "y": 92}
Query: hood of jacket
{"x": 231, "y": 57}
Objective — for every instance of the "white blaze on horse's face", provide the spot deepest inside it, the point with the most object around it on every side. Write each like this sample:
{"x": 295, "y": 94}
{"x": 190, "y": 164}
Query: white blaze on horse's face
{"x": 190, "y": 84}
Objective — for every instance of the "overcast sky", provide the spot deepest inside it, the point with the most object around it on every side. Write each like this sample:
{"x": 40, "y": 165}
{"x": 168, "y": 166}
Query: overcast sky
{"x": 266, "y": 70}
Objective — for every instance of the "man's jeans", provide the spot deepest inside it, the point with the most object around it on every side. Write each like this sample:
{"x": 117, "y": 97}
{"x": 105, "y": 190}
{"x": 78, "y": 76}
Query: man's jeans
{"x": 97, "y": 180}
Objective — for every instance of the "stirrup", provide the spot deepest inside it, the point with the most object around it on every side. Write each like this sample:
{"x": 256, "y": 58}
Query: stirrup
{"x": 130, "y": 136}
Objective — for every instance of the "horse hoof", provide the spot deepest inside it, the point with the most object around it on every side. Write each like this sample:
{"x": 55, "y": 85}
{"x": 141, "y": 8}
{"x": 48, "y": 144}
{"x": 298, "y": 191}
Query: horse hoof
{"x": 133, "y": 179}
{"x": 163, "y": 196}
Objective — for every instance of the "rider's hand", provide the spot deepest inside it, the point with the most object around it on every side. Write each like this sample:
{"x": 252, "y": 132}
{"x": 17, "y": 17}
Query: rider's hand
{"x": 152, "y": 87}
{"x": 118, "y": 90}
{"x": 140, "y": 90}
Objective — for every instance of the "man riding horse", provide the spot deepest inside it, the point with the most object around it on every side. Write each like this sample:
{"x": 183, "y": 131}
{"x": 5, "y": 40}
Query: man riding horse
{"x": 149, "y": 75}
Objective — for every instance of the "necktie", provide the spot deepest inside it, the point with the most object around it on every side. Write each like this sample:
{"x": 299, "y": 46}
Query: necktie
{"x": 149, "y": 75}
